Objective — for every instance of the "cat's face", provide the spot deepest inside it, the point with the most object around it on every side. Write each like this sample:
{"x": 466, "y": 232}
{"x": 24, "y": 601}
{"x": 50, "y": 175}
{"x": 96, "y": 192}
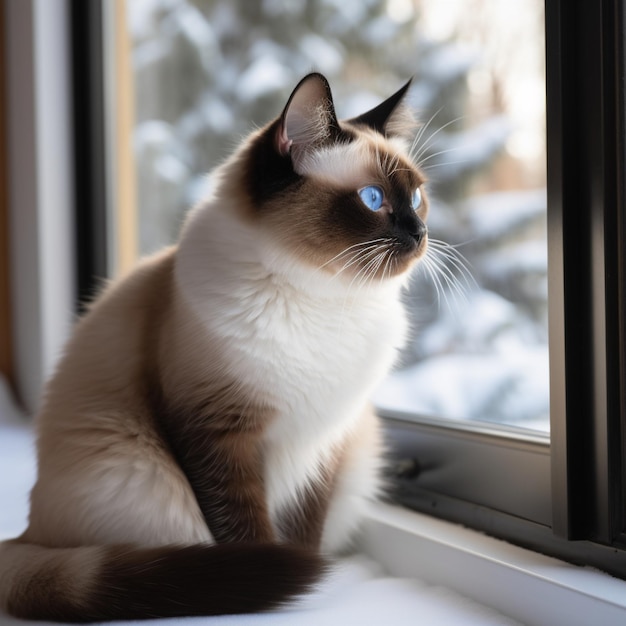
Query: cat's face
{"x": 344, "y": 196}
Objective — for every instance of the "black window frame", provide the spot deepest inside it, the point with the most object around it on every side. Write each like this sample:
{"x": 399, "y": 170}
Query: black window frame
{"x": 87, "y": 34}
{"x": 562, "y": 495}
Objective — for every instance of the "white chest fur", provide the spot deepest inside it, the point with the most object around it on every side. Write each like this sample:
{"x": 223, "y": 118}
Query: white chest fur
{"x": 318, "y": 345}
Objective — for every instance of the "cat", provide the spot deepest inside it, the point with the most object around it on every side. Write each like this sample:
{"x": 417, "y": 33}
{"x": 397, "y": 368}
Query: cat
{"x": 206, "y": 441}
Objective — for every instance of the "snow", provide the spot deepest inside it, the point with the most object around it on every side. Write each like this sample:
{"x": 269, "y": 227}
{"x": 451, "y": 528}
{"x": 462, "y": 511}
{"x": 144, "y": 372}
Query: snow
{"x": 474, "y": 324}
{"x": 467, "y": 148}
{"x": 199, "y": 188}
{"x": 524, "y": 257}
{"x": 224, "y": 19}
{"x": 278, "y": 7}
{"x": 153, "y": 132}
{"x": 497, "y": 214}
{"x": 350, "y": 11}
{"x": 160, "y": 140}
{"x": 323, "y": 55}
{"x": 449, "y": 62}
{"x": 171, "y": 169}
{"x": 482, "y": 360}
{"x": 188, "y": 22}
{"x": 263, "y": 76}
{"x": 150, "y": 53}
{"x": 505, "y": 387}
{"x": 381, "y": 31}
{"x": 140, "y": 15}
{"x": 211, "y": 113}
{"x": 358, "y": 102}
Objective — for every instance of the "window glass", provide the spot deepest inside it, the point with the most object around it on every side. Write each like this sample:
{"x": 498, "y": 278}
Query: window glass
{"x": 205, "y": 72}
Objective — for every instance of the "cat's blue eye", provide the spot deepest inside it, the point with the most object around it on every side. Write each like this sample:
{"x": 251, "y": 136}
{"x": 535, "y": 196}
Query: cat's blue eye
{"x": 372, "y": 197}
{"x": 416, "y": 200}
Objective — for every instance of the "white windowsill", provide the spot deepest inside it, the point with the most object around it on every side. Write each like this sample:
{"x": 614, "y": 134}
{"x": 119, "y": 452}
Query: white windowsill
{"x": 525, "y": 585}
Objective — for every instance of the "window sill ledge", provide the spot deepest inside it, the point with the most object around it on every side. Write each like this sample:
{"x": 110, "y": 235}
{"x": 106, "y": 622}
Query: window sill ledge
{"x": 525, "y": 585}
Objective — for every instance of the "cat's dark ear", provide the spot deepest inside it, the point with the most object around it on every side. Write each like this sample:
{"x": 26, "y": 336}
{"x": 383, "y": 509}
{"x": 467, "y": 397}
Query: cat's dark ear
{"x": 308, "y": 118}
{"x": 390, "y": 118}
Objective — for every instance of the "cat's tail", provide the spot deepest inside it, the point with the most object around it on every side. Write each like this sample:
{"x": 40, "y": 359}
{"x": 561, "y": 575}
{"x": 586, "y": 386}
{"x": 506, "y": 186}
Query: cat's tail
{"x": 102, "y": 583}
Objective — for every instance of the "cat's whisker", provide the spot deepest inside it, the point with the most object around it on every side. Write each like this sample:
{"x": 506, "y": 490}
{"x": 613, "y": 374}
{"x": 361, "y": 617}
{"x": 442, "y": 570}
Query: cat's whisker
{"x": 443, "y": 257}
{"x": 433, "y": 273}
{"x": 368, "y": 271}
{"x": 393, "y": 165}
{"x": 420, "y": 164}
{"x": 375, "y": 269}
{"x": 421, "y": 132}
{"x": 453, "y": 256}
{"x": 388, "y": 164}
{"x": 454, "y": 286}
{"x": 427, "y": 144}
{"x": 398, "y": 169}
{"x": 449, "y": 272}
{"x": 346, "y": 298}
{"x": 363, "y": 254}
{"x": 362, "y": 275}
{"x": 455, "y": 246}
{"x": 466, "y": 280}
{"x": 359, "y": 257}
{"x": 394, "y": 264}
{"x": 387, "y": 263}
{"x": 465, "y": 275}
{"x": 431, "y": 137}
{"x": 444, "y": 164}
{"x": 383, "y": 162}
{"x": 348, "y": 249}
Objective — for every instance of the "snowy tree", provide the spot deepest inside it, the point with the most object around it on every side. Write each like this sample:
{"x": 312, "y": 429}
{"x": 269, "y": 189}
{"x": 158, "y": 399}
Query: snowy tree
{"x": 207, "y": 71}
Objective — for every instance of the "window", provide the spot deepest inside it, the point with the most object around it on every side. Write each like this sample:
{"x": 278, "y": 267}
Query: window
{"x": 567, "y": 499}
{"x": 481, "y": 351}
{"x": 562, "y": 494}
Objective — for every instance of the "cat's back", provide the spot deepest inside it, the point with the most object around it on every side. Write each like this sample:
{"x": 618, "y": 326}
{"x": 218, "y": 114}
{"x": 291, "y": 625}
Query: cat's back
{"x": 100, "y": 454}
{"x": 99, "y": 390}
{"x": 112, "y": 343}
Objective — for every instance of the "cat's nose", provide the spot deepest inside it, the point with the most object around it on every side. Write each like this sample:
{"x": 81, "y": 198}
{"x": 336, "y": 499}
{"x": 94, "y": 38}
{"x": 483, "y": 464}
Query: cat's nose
{"x": 412, "y": 225}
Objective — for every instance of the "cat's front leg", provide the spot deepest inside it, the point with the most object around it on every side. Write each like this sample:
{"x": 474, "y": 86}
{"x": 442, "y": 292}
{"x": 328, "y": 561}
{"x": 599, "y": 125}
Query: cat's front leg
{"x": 224, "y": 470}
{"x": 302, "y": 521}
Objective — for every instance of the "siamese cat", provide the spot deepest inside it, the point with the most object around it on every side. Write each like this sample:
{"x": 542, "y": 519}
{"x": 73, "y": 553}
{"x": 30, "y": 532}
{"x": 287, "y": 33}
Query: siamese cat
{"x": 206, "y": 441}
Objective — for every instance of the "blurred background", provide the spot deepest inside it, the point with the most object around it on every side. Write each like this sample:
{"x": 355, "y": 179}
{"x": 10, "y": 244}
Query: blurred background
{"x": 197, "y": 75}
